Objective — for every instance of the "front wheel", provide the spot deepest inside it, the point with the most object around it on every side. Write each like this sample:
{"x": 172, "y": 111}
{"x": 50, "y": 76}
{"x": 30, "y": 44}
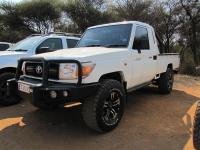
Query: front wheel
{"x": 165, "y": 82}
{"x": 4, "y": 99}
{"x": 196, "y": 128}
{"x": 104, "y": 111}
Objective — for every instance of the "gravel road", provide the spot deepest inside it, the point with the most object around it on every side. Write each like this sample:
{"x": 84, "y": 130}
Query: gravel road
{"x": 151, "y": 122}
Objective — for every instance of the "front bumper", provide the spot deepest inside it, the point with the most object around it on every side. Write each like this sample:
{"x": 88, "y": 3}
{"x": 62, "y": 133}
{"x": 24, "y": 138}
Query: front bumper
{"x": 41, "y": 89}
{"x": 38, "y": 92}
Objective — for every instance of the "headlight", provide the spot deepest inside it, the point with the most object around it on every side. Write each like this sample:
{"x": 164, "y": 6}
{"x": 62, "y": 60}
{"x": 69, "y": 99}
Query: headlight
{"x": 69, "y": 71}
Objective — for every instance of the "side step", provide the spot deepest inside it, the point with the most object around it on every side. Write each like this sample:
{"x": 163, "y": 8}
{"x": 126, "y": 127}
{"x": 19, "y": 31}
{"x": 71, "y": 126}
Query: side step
{"x": 139, "y": 86}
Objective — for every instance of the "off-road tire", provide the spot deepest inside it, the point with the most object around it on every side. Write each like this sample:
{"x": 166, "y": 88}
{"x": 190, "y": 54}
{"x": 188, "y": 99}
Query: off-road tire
{"x": 196, "y": 128}
{"x": 4, "y": 99}
{"x": 93, "y": 107}
{"x": 165, "y": 82}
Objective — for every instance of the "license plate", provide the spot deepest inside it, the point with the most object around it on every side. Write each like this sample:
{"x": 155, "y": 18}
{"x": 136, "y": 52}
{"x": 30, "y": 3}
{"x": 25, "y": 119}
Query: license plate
{"x": 24, "y": 88}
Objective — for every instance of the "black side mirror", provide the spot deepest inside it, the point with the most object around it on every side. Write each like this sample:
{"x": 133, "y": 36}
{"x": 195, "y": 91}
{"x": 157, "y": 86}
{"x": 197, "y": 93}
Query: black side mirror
{"x": 137, "y": 46}
{"x": 43, "y": 50}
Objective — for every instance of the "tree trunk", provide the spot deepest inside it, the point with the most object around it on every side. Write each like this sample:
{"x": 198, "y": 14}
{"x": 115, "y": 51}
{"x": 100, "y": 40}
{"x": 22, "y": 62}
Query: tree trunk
{"x": 194, "y": 42}
{"x": 168, "y": 44}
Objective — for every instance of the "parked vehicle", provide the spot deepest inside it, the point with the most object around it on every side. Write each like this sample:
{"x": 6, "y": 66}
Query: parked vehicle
{"x": 109, "y": 61}
{"x": 34, "y": 44}
{"x": 4, "y": 46}
{"x": 196, "y": 128}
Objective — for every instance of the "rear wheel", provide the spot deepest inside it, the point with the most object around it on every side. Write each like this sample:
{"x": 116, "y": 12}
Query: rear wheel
{"x": 104, "y": 111}
{"x": 4, "y": 99}
{"x": 165, "y": 82}
{"x": 196, "y": 128}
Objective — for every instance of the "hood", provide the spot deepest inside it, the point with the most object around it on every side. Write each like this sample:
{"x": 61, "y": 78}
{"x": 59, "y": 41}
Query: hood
{"x": 11, "y": 53}
{"x": 10, "y": 58}
{"x": 80, "y": 53}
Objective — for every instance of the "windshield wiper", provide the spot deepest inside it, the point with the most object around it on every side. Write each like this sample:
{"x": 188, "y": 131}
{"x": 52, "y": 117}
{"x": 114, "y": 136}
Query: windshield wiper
{"x": 112, "y": 45}
{"x": 19, "y": 50}
{"x": 116, "y": 45}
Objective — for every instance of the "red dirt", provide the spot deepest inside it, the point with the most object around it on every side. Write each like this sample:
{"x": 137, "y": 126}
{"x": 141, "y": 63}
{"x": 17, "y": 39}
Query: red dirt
{"x": 151, "y": 122}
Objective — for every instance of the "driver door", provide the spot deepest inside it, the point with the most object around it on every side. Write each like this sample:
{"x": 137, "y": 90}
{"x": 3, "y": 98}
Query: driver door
{"x": 49, "y": 45}
{"x": 143, "y": 63}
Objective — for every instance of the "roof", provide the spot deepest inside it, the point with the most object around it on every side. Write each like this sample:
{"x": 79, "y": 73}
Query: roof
{"x": 59, "y": 34}
{"x": 123, "y": 22}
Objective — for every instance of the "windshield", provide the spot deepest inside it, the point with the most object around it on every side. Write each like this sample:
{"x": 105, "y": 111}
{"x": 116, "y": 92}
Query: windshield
{"x": 25, "y": 44}
{"x": 107, "y": 36}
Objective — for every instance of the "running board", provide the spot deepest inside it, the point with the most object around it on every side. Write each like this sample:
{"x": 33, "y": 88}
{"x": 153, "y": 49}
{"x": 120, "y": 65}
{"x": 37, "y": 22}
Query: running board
{"x": 139, "y": 86}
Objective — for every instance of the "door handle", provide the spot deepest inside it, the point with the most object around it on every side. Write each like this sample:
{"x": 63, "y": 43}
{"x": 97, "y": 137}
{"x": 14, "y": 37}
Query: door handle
{"x": 154, "y": 57}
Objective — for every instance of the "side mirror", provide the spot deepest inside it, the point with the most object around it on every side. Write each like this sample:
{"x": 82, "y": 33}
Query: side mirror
{"x": 137, "y": 46}
{"x": 43, "y": 50}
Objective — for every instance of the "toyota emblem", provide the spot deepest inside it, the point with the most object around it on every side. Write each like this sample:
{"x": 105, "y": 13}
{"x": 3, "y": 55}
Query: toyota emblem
{"x": 38, "y": 69}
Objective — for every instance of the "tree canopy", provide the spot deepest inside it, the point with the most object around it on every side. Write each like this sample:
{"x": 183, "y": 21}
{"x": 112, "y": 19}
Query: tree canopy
{"x": 177, "y": 22}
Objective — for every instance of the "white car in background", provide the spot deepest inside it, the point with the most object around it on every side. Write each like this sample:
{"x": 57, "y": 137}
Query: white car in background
{"x": 5, "y": 45}
{"x": 34, "y": 44}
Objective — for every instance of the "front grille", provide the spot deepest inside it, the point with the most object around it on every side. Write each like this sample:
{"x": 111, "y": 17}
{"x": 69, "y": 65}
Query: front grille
{"x": 54, "y": 71}
{"x": 35, "y": 69}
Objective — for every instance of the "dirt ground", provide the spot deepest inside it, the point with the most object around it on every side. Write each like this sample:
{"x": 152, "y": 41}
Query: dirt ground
{"x": 151, "y": 122}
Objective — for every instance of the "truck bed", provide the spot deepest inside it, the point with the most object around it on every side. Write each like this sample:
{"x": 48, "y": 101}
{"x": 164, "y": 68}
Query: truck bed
{"x": 168, "y": 58}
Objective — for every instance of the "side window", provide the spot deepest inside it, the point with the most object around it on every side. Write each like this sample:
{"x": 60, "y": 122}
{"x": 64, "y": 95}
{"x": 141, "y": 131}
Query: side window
{"x": 71, "y": 43}
{"x": 141, "y": 40}
{"x": 52, "y": 44}
{"x": 3, "y": 47}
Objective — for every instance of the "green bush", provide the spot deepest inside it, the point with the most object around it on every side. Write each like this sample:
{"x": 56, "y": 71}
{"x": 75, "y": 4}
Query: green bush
{"x": 187, "y": 65}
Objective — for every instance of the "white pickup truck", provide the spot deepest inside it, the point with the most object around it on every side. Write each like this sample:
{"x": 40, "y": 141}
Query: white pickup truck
{"x": 109, "y": 61}
{"x": 34, "y": 44}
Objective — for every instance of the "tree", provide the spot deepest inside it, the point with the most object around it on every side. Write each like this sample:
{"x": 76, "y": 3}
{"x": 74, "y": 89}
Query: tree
{"x": 133, "y": 10}
{"x": 39, "y": 15}
{"x": 165, "y": 22}
{"x": 10, "y": 16}
{"x": 12, "y": 27}
{"x": 190, "y": 18}
{"x": 85, "y": 13}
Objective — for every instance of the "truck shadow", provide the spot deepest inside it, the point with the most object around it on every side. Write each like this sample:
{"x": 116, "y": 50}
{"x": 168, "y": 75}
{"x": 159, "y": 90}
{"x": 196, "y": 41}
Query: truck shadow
{"x": 150, "y": 120}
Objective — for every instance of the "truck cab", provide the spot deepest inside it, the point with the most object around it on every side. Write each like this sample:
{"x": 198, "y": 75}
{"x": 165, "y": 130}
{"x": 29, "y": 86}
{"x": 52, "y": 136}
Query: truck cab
{"x": 109, "y": 61}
